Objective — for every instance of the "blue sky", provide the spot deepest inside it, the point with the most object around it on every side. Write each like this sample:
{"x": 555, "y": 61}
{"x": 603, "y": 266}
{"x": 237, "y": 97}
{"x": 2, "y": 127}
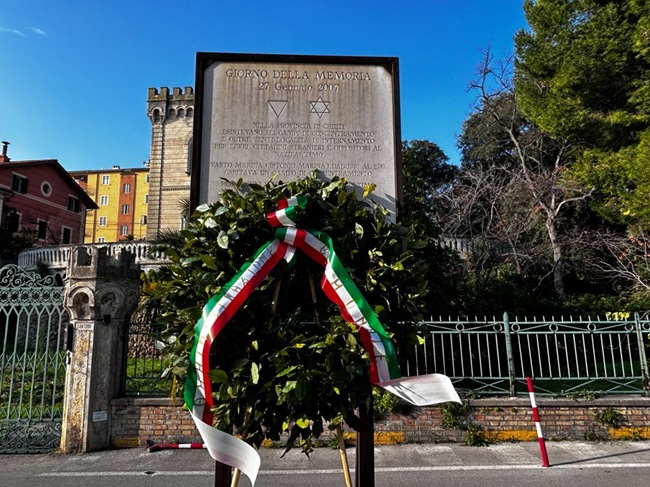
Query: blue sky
{"x": 74, "y": 74}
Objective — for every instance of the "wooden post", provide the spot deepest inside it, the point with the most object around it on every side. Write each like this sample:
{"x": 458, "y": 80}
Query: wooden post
{"x": 235, "y": 478}
{"x": 222, "y": 475}
{"x": 344, "y": 457}
{"x": 365, "y": 473}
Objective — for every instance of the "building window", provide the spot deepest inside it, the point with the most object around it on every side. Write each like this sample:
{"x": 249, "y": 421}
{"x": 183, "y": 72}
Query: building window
{"x": 73, "y": 204}
{"x": 147, "y": 178}
{"x": 126, "y": 209}
{"x": 124, "y": 230}
{"x": 106, "y": 180}
{"x": 14, "y": 221}
{"x": 103, "y": 200}
{"x": 41, "y": 232}
{"x": 126, "y": 188}
{"x": 18, "y": 183}
{"x": 188, "y": 168}
{"x": 103, "y": 221}
{"x": 143, "y": 220}
{"x": 146, "y": 199}
{"x": 101, "y": 239}
{"x": 66, "y": 238}
{"x": 46, "y": 189}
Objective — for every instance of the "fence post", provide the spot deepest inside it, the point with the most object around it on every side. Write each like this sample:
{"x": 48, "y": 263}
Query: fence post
{"x": 642, "y": 356}
{"x": 511, "y": 362}
{"x": 101, "y": 292}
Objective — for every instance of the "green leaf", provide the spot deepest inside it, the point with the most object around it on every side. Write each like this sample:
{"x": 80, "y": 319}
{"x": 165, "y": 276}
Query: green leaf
{"x": 222, "y": 239}
{"x": 303, "y": 422}
{"x": 287, "y": 371}
{"x": 218, "y": 376}
{"x": 190, "y": 260}
{"x": 301, "y": 388}
{"x": 255, "y": 373}
{"x": 239, "y": 364}
{"x": 368, "y": 189}
{"x": 418, "y": 244}
{"x": 208, "y": 260}
{"x": 289, "y": 386}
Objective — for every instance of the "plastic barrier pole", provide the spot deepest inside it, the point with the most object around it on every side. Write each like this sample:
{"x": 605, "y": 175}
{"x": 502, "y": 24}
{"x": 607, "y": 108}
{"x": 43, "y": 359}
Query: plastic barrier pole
{"x": 538, "y": 425}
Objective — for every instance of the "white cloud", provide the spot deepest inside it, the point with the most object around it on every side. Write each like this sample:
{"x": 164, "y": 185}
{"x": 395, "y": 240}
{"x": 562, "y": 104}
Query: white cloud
{"x": 40, "y": 32}
{"x": 12, "y": 31}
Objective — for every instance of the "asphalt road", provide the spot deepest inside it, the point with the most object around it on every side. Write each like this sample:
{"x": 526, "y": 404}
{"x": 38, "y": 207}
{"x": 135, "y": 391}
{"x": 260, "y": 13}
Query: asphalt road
{"x": 573, "y": 464}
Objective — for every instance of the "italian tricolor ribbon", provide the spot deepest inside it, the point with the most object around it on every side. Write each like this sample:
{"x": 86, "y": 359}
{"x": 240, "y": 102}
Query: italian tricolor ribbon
{"x": 339, "y": 288}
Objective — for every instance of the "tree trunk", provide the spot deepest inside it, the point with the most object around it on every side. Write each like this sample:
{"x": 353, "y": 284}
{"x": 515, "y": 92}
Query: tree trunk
{"x": 558, "y": 266}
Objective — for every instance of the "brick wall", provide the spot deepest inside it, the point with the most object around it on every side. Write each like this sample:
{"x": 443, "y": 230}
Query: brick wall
{"x": 136, "y": 421}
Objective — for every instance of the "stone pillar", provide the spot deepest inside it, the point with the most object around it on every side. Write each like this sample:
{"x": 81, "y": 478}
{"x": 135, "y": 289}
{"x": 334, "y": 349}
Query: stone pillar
{"x": 101, "y": 293}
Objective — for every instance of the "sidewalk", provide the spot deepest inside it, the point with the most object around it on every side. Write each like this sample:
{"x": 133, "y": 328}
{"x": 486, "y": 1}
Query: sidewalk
{"x": 422, "y": 457}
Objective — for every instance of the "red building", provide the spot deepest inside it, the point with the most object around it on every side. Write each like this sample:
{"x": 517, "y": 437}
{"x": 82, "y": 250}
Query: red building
{"x": 41, "y": 196}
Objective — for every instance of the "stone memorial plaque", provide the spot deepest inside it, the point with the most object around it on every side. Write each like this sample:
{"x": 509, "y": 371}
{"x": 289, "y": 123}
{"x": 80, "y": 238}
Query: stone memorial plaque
{"x": 258, "y": 115}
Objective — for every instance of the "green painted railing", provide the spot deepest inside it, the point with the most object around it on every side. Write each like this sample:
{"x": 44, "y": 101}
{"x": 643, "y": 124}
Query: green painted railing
{"x": 32, "y": 361}
{"x": 144, "y": 364}
{"x": 565, "y": 357}
{"x": 488, "y": 357}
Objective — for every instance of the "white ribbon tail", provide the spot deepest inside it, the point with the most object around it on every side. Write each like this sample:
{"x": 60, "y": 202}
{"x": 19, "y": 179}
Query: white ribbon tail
{"x": 230, "y": 450}
{"x": 422, "y": 390}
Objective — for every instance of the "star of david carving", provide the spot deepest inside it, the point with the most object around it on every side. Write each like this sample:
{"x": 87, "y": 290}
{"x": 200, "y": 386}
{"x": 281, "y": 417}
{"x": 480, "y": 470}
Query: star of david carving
{"x": 319, "y": 107}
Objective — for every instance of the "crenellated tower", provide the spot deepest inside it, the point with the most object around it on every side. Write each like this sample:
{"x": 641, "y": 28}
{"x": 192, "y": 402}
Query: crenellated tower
{"x": 171, "y": 116}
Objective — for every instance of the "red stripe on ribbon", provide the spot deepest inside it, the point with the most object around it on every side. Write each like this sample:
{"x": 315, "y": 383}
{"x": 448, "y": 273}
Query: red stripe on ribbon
{"x": 222, "y": 319}
{"x": 366, "y": 339}
{"x": 273, "y": 219}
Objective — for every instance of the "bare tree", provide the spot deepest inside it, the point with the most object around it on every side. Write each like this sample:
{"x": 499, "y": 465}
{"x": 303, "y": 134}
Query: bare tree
{"x": 524, "y": 167}
{"x": 624, "y": 259}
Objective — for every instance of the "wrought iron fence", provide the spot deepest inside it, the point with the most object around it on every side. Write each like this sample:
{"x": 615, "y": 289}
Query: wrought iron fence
{"x": 488, "y": 357}
{"x": 144, "y": 364}
{"x": 566, "y": 357}
{"x": 32, "y": 361}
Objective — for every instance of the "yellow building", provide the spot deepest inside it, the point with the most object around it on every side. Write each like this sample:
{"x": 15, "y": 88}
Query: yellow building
{"x": 122, "y": 196}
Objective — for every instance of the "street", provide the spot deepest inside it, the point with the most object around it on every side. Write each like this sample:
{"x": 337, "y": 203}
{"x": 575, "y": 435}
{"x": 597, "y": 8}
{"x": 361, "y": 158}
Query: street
{"x": 576, "y": 464}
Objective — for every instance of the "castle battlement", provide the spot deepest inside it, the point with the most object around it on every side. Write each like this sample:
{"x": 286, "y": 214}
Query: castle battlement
{"x": 177, "y": 94}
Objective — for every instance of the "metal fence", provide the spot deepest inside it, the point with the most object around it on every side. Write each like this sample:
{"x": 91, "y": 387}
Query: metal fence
{"x": 566, "y": 357}
{"x": 32, "y": 361}
{"x": 144, "y": 365}
{"x": 489, "y": 357}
